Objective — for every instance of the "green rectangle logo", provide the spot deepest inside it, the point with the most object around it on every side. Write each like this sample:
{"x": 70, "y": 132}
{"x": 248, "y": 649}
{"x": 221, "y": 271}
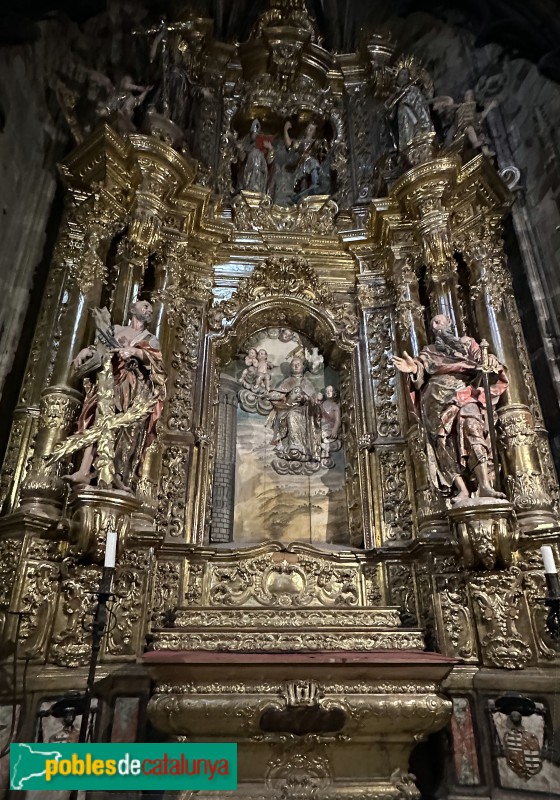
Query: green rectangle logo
{"x": 112, "y": 767}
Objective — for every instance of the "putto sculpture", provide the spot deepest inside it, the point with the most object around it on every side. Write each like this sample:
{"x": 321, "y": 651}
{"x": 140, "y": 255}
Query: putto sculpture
{"x": 447, "y": 379}
{"x": 468, "y": 120}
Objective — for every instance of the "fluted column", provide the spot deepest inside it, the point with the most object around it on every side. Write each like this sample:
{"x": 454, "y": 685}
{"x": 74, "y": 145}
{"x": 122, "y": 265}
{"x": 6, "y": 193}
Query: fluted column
{"x": 422, "y": 191}
{"x": 159, "y": 322}
{"x": 444, "y": 292}
{"x": 140, "y": 242}
{"x": 411, "y": 330}
{"x": 90, "y": 228}
{"x": 223, "y": 492}
{"x": 147, "y": 489}
{"x": 498, "y": 322}
{"x": 443, "y": 280}
{"x": 83, "y": 291}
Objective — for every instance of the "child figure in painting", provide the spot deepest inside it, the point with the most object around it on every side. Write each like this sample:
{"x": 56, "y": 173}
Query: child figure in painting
{"x": 263, "y": 371}
{"x": 251, "y": 365}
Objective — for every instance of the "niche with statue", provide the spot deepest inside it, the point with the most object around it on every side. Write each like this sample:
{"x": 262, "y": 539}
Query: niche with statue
{"x": 279, "y": 467}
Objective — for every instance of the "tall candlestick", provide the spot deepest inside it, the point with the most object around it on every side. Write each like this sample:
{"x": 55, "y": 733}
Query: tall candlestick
{"x": 548, "y": 559}
{"x": 111, "y": 549}
{"x": 550, "y": 572}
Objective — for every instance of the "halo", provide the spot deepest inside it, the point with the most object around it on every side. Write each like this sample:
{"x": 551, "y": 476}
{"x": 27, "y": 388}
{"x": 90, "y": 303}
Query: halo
{"x": 417, "y": 70}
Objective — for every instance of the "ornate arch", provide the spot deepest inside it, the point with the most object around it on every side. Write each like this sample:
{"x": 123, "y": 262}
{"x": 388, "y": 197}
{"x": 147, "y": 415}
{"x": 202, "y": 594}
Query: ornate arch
{"x": 297, "y": 284}
{"x": 288, "y": 292}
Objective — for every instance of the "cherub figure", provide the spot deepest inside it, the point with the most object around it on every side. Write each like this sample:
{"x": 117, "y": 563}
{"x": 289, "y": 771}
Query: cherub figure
{"x": 263, "y": 371}
{"x": 468, "y": 120}
{"x": 122, "y": 100}
{"x": 251, "y": 364}
{"x": 314, "y": 359}
{"x": 330, "y": 420}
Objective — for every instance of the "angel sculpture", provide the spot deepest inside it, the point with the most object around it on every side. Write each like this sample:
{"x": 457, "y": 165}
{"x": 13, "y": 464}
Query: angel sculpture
{"x": 468, "y": 121}
{"x": 314, "y": 359}
{"x": 122, "y": 100}
{"x": 412, "y": 108}
{"x": 263, "y": 371}
{"x": 249, "y": 373}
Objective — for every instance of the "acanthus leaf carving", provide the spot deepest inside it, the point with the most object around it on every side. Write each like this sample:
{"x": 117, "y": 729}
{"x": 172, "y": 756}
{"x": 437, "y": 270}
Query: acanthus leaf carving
{"x": 280, "y": 276}
{"x": 397, "y": 508}
{"x": 499, "y": 603}
{"x": 172, "y": 495}
{"x": 458, "y": 634}
{"x": 314, "y": 215}
{"x": 378, "y": 329}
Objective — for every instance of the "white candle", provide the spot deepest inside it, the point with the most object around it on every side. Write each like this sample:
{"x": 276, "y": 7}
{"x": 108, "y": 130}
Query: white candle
{"x": 111, "y": 549}
{"x": 548, "y": 559}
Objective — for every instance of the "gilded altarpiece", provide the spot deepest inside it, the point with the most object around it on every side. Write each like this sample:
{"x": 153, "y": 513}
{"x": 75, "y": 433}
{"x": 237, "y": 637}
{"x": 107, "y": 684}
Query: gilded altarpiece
{"x": 290, "y": 575}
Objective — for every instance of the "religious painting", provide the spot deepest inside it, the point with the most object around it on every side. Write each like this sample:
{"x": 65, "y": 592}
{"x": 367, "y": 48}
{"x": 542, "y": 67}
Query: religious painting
{"x": 465, "y": 758}
{"x": 289, "y": 461}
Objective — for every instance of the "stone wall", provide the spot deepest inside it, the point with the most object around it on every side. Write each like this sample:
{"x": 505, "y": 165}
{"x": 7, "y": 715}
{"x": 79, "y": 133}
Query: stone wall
{"x": 34, "y": 136}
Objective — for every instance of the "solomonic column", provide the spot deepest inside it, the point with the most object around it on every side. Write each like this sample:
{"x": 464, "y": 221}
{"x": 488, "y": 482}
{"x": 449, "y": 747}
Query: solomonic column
{"x": 498, "y": 322}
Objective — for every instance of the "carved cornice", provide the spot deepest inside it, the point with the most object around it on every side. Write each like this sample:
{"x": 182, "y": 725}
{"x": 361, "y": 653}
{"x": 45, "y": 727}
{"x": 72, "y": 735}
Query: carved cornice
{"x": 285, "y": 277}
{"x": 289, "y": 640}
{"x": 282, "y": 618}
{"x": 315, "y": 215}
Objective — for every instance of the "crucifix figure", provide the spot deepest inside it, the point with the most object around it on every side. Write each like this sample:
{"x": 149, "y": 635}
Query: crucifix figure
{"x": 175, "y": 83}
{"x": 118, "y": 418}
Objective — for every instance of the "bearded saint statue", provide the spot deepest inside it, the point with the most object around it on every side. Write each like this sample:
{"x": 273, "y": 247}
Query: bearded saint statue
{"x": 138, "y": 372}
{"x": 446, "y": 377}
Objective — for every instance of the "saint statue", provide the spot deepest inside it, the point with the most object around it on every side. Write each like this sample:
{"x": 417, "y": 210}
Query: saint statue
{"x": 330, "y": 420}
{"x": 296, "y": 417}
{"x": 256, "y": 154}
{"x": 447, "y": 378}
{"x": 310, "y": 153}
{"x": 178, "y": 89}
{"x": 412, "y": 109}
{"x": 137, "y": 373}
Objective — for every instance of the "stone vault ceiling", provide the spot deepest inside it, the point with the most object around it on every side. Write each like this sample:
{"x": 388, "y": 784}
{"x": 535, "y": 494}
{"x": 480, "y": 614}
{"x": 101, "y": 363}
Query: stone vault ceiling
{"x": 527, "y": 29}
